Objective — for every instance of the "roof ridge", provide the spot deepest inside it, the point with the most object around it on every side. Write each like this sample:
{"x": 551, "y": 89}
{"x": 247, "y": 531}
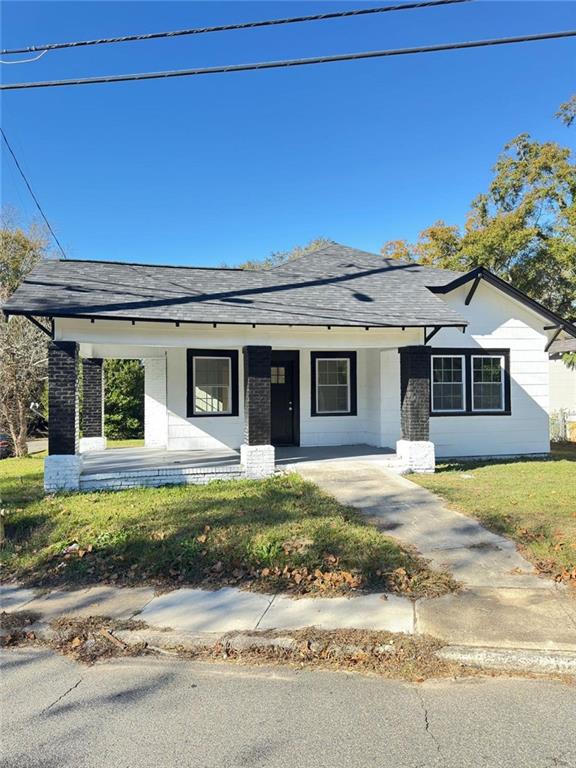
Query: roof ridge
{"x": 373, "y": 256}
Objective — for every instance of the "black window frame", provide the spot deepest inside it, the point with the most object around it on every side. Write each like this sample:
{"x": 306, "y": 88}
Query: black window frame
{"x": 232, "y": 354}
{"x": 353, "y": 363}
{"x": 468, "y": 353}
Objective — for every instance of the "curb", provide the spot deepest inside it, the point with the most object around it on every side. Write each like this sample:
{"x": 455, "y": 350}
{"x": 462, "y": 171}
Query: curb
{"x": 167, "y": 641}
{"x": 514, "y": 659}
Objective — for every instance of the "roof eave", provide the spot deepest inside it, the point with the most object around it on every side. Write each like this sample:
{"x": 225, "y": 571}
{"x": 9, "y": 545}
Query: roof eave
{"x": 57, "y": 315}
{"x": 510, "y": 290}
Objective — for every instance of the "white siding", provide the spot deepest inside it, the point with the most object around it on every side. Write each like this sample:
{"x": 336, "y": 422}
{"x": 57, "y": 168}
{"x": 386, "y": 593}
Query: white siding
{"x": 343, "y": 430}
{"x": 220, "y": 432}
{"x": 206, "y": 433}
{"x": 498, "y": 321}
{"x": 389, "y": 398}
{"x": 562, "y": 386}
{"x": 155, "y": 416}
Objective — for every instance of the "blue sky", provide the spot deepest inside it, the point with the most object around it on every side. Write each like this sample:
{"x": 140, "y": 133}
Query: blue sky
{"x": 223, "y": 168}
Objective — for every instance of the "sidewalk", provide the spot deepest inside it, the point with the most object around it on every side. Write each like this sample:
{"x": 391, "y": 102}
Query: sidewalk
{"x": 495, "y": 618}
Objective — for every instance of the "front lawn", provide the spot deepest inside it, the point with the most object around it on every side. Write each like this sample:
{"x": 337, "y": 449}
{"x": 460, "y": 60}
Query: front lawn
{"x": 282, "y": 533}
{"x": 135, "y": 443}
{"x": 531, "y": 501}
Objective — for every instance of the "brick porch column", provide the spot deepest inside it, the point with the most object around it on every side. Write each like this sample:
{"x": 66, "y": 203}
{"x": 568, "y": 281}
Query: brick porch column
{"x": 92, "y": 405}
{"x": 62, "y": 466}
{"x": 414, "y": 448}
{"x": 257, "y": 454}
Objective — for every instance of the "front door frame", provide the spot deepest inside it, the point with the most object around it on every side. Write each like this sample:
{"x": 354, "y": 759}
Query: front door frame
{"x": 294, "y": 357}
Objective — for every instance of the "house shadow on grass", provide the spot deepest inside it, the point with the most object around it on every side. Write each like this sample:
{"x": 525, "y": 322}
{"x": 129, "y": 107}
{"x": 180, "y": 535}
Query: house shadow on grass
{"x": 282, "y": 533}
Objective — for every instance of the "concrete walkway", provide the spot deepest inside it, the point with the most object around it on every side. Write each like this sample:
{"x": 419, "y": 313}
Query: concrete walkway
{"x": 504, "y": 602}
{"x": 475, "y": 556}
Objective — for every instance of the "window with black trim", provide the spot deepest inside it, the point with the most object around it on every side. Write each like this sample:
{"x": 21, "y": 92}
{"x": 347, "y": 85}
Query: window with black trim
{"x": 448, "y": 384}
{"x": 333, "y": 383}
{"x": 212, "y": 382}
{"x": 488, "y": 383}
{"x": 470, "y": 382}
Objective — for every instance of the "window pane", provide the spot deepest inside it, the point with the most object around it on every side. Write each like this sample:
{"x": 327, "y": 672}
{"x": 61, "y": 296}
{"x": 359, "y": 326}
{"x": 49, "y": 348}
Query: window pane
{"x": 278, "y": 375}
{"x": 332, "y": 371}
{"x": 332, "y": 398}
{"x": 447, "y": 384}
{"x": 212, "y": 384}
{"x": 211, "y": 370}
{"x": 447, "y": 369}
{"x": 487, "y": 384}
{"x": 332, "y": 385}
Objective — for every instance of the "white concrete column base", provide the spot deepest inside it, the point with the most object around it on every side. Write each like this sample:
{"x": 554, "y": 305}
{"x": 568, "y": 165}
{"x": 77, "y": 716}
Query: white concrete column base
{"x": 62, "y": 473}
{"x": 88, "y": 444}
{"x": 417, "y": 455}
{"x": 258, "y": 460}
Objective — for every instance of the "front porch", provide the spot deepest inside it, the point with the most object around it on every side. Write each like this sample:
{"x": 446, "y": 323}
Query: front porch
{"x": 118, "y": 468}
{"x": 231, "y": 412}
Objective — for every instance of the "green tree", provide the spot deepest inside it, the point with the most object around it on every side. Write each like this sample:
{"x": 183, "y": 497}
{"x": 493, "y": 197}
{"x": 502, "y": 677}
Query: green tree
{"x": 23, "y": 348}
{"x": 279, "y": 257}
{"x": 123, "y": 399}
{"x": 523, "y": 228}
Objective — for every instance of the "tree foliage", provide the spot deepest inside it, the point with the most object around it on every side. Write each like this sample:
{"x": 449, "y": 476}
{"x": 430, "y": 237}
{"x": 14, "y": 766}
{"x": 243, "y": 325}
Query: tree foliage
{"x": 23, "y": 348}
{"x": 567, "y": 111}
{"x": 123, "y": 399}
{"x": 523, "y": 227}
{"x": 279, "y": 257}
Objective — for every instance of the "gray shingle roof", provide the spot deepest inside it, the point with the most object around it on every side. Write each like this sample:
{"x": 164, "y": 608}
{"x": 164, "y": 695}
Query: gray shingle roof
{"x": 336, "y": 285}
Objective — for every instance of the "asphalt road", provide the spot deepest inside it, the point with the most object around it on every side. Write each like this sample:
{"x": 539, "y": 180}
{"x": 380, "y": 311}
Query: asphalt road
{"x": 150, "y": 712}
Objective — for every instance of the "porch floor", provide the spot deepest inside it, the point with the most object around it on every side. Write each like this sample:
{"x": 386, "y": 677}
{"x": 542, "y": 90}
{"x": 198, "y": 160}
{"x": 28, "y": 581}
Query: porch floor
{"x": 116, "y": 460}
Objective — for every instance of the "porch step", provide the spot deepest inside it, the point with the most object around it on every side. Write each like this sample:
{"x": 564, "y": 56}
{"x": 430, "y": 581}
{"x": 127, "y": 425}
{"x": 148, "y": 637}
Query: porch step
{"x": 391, "y": 462}
{"x": 153, "y": 478}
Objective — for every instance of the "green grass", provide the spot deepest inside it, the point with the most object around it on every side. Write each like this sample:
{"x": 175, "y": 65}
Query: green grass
{"x": 125, "y": 443}
{"x": 531, "y": 501}
{"x": 282, "y": 533}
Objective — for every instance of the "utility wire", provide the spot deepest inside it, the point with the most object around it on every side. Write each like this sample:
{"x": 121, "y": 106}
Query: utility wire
{"x": 25, "y": 61}
{"x": 230, "y": 27}
{"x": 288, "y": 62}
{"x": 58, "y": 243}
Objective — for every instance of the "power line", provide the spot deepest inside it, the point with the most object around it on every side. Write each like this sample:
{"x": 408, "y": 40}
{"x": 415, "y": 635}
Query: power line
{"x": 231, "y": 27}
{"x": 25, "y": 61}
{"x": 288, "y": 62}
{"x": 58, "y": 243}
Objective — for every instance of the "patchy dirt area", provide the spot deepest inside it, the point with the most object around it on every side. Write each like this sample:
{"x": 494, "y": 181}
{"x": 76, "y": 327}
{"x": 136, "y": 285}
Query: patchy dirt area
{"x": 388, "y": 654}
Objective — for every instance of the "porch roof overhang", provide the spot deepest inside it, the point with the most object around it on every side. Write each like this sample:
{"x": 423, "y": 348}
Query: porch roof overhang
{"x": 363, "y": 291}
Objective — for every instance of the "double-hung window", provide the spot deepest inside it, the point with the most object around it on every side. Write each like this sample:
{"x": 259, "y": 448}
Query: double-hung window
{"x": 468, "y": 382}
{"x": 448, "y": 383}
{"x": 333, "y": 383}
{"x": 212, "y": 383}
{"x": 488, "y": 383}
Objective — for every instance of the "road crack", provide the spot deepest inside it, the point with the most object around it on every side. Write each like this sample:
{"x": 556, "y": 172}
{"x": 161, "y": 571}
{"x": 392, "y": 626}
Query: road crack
{"x": 427, "y": 722}
{"x": 72, "y": 687}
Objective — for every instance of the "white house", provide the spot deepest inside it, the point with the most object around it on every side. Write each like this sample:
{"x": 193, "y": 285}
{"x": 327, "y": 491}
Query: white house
{"x": 338, "y": 348}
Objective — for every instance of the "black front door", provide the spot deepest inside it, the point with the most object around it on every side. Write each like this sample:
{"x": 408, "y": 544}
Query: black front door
{"x": 285, "y": 401}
